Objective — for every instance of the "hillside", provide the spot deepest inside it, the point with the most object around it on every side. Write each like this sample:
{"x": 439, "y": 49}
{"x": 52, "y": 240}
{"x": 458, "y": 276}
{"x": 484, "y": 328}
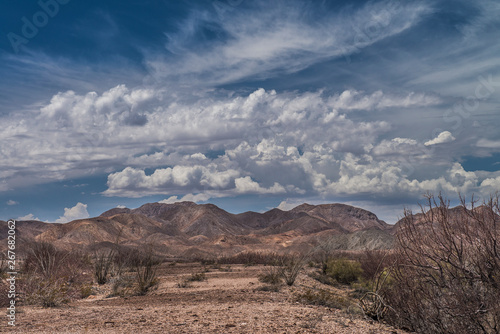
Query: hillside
{"x": 187, "y": 228}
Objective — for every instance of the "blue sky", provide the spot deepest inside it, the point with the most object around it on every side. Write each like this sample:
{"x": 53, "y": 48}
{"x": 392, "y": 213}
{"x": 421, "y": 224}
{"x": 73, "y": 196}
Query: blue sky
{"x": 249, "y": 105}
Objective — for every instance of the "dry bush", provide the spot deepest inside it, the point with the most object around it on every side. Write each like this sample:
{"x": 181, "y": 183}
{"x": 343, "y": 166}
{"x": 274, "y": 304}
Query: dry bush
{"x": 447, "y": 278}
{"x": 195, "y": 277}
{"x": 282, "y": 268}
{"x": 146, "y": 265}
{"x": 245, "y": 258}
{"x": 122, "y": 286}
{"x": 374, "y": 262}
{"x": 271, "y": 275}
{"x": 4, "y": 289}
{"x": 103, "y": 262}
{"x": 43, "y": 259}
{"x": 290, "y": 268}
{"x": 50, "y": 277}
{"x": 323, "y": 298}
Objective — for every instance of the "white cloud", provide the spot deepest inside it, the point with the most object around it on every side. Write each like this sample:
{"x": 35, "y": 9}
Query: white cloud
{"x": 133, "y": 182}
{"x": 399, "y": 146}
{"x": 443, "y": 137}
{"x": 490, "y": 185}
{"x": 486, "y": 143}
{"x": 121, "y": 206}
{"x": 293, "y": 143}
{"x": 352, "y": 99}
{"x": 202, "y": 197}
{"x": 11, "y": 202}
{"x": 245, "y": 185}
{"x": 28, "y": 217}
{"x": 79, "y": 211}
{"x": 271, "y": 36}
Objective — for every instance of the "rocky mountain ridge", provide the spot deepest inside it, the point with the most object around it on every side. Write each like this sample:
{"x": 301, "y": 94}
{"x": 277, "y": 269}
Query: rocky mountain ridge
{"x": 187, "y": 227}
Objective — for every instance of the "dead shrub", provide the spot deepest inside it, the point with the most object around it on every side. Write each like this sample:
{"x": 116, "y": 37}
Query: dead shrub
{"x": 197, "y": 277}
{"x": 323, "y": 297}
{"x": 290, "y": 268}
{"x": 103, "y": 262}
{"x": 271, "y": 275}
{"x": 146, "y": 265}
{"x": 373, "y": 262}
{"x": 50, "y": 277}
{"x": 447, "y": 278}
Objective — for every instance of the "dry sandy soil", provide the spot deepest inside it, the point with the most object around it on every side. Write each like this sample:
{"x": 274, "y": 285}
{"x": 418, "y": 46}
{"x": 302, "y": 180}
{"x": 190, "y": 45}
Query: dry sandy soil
{"x": 228, "y": 302}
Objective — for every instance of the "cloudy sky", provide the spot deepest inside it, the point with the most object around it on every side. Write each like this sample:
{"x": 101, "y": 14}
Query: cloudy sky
{"x": 246, "y": 104}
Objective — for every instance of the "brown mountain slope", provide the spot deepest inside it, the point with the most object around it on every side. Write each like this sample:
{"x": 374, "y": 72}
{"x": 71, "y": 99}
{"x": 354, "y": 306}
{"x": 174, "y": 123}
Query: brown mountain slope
{"x": 194, "y": 219}
{"x": 348, "y": 217}
{"x": 177, "y": 228}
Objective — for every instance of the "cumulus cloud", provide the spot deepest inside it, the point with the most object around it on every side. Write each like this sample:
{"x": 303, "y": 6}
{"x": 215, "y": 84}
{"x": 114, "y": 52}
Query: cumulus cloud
{"x": 79, "y": 211}
{"x": 245, "y": 185}
{"x": 188, "y": 197}
{"x": 133, "y": 182}
{"x": 396, "y": 146}
{"x": 28, "y": 217}
{"x": 486, "y": 143}
{"x": 352, "y": 100}
{"x": 11, "y": 202}
{"x": 266, "y": 142}
{"x": 443, "y": 137}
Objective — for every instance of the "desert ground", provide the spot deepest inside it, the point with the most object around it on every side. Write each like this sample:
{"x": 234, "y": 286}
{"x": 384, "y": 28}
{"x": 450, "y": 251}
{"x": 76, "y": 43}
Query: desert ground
{"x": 230, "y": 300}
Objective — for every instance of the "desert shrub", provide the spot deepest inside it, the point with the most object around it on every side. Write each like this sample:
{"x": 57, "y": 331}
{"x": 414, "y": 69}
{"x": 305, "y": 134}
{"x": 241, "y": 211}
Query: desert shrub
{"x": 227, "y": 268}
{"x": 269, "y": 288}
{"x": 447, "y": 278}
{"x": 245, "y": 258}
{"x": 4, "y": 288}
{"x": 373, "y": 262}
{"x": 282, "y": 268}
{"x": 43, "y": 259}
{"x": 86, "y": 290}
{"x": 197, "y": 277}
{"x": 184, "y": 284}
{"x": 290, "y": 269}
{"x": 146, "y": 265}
{"x": 323, "y": 278}
{"x": 50, "y": 277}
{"x": 271, "y": 275}
{"x": 344, "y": 271}
{"x": 4, "y": 268}
{"x": 323, "y": 298}
{"x": 46, "y": 292}
{"x": 122, "y": 286}
{"x": 103, "y": 262}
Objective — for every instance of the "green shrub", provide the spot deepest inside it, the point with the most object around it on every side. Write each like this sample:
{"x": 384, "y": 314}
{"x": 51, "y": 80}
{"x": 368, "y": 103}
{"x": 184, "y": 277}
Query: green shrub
{"x": 344, "y": 271}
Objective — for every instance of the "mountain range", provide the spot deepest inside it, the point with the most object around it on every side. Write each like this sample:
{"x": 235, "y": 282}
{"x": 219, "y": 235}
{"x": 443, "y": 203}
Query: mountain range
{"x": 189, "y": 229}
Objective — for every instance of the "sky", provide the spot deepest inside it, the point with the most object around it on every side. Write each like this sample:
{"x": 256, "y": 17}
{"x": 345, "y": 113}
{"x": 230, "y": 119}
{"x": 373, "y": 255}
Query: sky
{"x": 249, "y": 105}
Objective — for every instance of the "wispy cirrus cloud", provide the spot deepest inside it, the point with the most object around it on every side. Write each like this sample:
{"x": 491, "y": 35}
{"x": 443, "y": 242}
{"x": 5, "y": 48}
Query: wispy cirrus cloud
{"x": 271, "y": 37}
